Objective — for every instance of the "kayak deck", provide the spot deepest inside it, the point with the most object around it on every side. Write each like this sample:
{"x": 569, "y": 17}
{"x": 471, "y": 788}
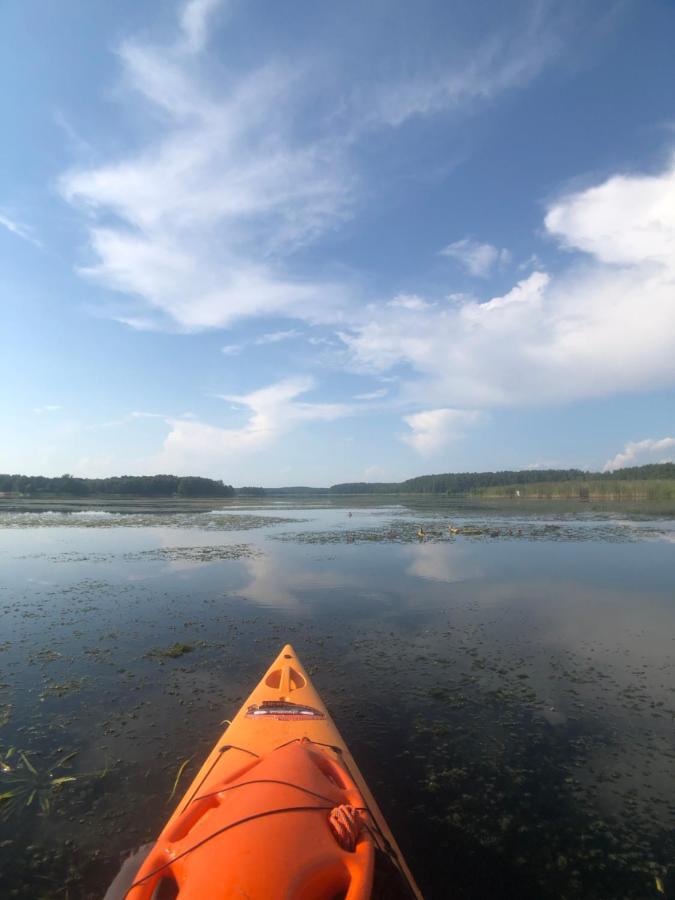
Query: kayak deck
{"x": 278, "y": 810}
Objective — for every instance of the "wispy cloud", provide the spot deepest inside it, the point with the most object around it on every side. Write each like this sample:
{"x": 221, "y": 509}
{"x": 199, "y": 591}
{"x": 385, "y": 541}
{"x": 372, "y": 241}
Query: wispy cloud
{"x": 409, "y": 301}
{"x": 275, "y": 337}
{"x": 372, "y": 395}
{"x": 16, "y": 228}
{"x": 193, "y": 22}
{"x": 256, "y": 171}
{"x": 243, "y": 191}
{"x": 76, "y": 142}
{"x": 271, "y": 337}
{"x": 479, "y": 72}
{"x": 273, "y": 410}
{"x": 638, "y": 453}
{"x": 479, "y": 259}
{"x": 141, "y": 414}
{"x": 48, "y": 408}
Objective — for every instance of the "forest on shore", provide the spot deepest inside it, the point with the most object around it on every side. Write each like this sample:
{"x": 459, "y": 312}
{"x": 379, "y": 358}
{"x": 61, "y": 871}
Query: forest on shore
{"x": 526, "y": 482}
{"x": 654, "y": 481}
{"x": 123, "y": 485}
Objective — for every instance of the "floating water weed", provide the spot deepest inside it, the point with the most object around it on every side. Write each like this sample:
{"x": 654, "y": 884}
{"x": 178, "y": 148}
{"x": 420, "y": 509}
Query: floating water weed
{"x": 174, "y": 651}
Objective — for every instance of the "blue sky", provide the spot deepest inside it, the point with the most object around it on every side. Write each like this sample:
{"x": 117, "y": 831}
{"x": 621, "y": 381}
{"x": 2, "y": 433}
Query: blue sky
{"x": 307, "y": 243}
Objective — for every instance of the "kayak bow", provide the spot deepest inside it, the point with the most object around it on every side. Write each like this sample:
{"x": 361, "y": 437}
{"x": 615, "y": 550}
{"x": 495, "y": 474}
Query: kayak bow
{"x": 279, "y": 811}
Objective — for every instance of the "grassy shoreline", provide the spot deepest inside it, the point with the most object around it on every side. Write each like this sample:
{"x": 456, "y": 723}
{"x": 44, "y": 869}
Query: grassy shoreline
{"x": 587, "y": 489}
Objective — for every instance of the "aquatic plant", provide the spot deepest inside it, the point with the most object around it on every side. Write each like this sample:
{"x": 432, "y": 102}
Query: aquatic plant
{"x": 23, "y": 785}
{"x": 62, "y": 688}
{"x": 174, "y": 651}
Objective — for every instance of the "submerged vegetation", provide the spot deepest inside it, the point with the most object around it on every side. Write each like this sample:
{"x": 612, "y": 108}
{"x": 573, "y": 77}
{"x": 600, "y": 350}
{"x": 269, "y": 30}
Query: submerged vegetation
{"x": 63, "y": 688}
{"x": 23, "y": 784}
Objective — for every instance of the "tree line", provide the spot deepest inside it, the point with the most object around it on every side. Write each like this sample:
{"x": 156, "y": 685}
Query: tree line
{"x": 194, "y": 486}
{"x": 465, "y": 482}
{"x": 136, "y": 485}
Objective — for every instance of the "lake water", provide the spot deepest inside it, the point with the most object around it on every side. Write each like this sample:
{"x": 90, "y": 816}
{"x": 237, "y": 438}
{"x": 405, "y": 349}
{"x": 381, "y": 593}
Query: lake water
{"x": 509, "y": 694}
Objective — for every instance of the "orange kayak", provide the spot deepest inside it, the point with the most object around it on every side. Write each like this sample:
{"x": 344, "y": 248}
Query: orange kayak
{"x": 279, "y": 811}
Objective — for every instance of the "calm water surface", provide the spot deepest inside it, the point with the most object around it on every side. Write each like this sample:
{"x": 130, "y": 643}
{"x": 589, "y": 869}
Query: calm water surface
{"x": 509, "y": 694}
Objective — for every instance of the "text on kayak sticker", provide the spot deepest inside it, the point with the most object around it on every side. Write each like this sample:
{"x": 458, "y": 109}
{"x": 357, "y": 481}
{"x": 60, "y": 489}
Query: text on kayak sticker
{"x": 282, "y": 710}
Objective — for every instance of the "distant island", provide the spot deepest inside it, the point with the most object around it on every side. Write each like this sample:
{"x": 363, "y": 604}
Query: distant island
{"x": 650, "y": 482}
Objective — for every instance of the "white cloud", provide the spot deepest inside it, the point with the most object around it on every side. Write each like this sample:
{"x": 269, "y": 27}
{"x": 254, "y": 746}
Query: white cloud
{"x": 138, "y": 323}
{"x": 243, "y": 193}
{"x": 274, "y": 337}
{"x": 192, "y": 445}
{"x": 16, "y": 228}
{"x": 140, "y": 414}
{"x": 478, "y": 259}
{"x": 372, "y": 395}
{"x": 629, "y": 220}
{"x": 48, "y": 408}
{"x": 639, "y": 453}
{"x": 435, "y": 429}
{"x": 409, "y": 301}
{"x": 604, "y": 325}
{"x": 246, "y": 190}
{"x": 465, "y": 353}
{"x": 526, "y": 294}
{"x": 193, "y": 22}
{"x": 255, "y": 171}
